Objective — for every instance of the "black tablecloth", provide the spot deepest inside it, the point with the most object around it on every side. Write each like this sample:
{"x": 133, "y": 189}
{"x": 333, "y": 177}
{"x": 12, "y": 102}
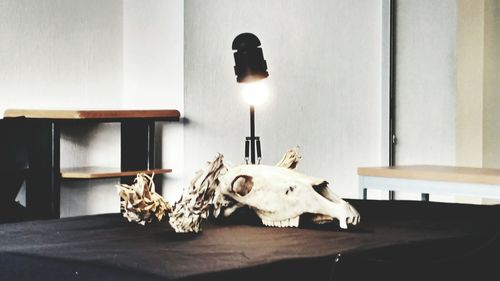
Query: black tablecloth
{"x": 394, "y": 238}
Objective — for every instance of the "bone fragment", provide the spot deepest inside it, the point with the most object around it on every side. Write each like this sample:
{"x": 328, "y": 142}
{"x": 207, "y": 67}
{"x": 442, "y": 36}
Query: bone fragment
{"x": 140, "y": 203}
{"x": 291, "y": 159}
{"x": 195, "y": 203}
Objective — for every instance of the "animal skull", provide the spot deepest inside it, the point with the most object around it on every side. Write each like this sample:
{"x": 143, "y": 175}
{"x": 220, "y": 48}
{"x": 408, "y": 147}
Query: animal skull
{"x": 279, "y": 195}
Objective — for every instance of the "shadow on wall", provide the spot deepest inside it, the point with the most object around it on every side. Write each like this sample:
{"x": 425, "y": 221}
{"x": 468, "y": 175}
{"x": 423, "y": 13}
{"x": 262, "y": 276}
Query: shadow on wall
{"x": 13, "y": 167}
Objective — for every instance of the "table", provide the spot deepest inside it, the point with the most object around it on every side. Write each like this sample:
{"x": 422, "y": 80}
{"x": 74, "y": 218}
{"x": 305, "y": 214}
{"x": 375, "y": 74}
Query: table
{"x": 44, "y": 174}
{"x": 426, "y": 240}
{"x": 426, "y": 179}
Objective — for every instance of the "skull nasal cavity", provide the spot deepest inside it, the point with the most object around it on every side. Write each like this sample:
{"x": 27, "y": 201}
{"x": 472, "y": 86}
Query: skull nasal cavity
{"x": 242, "y": 185}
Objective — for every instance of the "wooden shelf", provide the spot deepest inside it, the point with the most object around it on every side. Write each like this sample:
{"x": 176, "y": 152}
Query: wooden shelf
{"x": 137, "y": 149}
{"x": 160, "y": 114}
{"x": 104, "y": 172}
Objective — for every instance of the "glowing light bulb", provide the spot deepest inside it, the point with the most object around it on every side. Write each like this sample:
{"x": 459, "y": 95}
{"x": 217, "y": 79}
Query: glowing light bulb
{"x": 255, "y": 93}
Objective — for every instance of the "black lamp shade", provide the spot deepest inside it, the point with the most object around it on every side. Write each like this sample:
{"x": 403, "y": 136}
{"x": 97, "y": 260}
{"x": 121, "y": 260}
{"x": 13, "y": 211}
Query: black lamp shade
{"x": 249, "y": 59}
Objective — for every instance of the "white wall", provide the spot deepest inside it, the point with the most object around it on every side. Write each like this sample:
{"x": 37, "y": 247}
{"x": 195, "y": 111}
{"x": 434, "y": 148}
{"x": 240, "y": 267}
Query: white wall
{"x": 153, "y": 75}
{"x": 60, "y": 54}
{"x": 67, "y": 54}
{"x": 153, "y": 54}
{"x": 324, "y": 60}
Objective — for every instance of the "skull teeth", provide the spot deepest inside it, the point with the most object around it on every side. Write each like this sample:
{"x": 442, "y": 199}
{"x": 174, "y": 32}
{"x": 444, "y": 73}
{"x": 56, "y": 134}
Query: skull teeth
{"x": 293, "y": 222}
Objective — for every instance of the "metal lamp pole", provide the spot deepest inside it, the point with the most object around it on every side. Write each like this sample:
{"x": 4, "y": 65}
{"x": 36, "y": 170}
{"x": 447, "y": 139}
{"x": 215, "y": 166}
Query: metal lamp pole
{"x": 252, "y": 143}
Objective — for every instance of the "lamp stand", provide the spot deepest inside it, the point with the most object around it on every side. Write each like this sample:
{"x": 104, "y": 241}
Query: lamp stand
{"x": 252, "y": 142}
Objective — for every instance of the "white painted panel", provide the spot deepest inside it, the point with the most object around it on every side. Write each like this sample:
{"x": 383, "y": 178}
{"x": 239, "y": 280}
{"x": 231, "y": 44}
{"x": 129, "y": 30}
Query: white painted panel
{"x": 470, "y": 81}
{"x": 492, "y": 85}
{"x": 425, "y": 83}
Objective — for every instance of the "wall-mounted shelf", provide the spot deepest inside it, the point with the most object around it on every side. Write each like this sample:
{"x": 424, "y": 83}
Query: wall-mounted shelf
{"x": 43, "y": 183}
{"x": 105, "y": 172}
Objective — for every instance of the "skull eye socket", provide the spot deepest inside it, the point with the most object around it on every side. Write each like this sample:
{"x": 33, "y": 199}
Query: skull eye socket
{"x": 242, "y": 185}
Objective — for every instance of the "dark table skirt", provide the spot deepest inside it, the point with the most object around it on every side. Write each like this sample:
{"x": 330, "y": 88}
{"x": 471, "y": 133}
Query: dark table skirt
{"x": 397, "y": 240}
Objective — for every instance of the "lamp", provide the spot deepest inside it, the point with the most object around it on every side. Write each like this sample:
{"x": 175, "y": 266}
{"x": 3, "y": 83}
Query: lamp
{"x": 250, "y": 68}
